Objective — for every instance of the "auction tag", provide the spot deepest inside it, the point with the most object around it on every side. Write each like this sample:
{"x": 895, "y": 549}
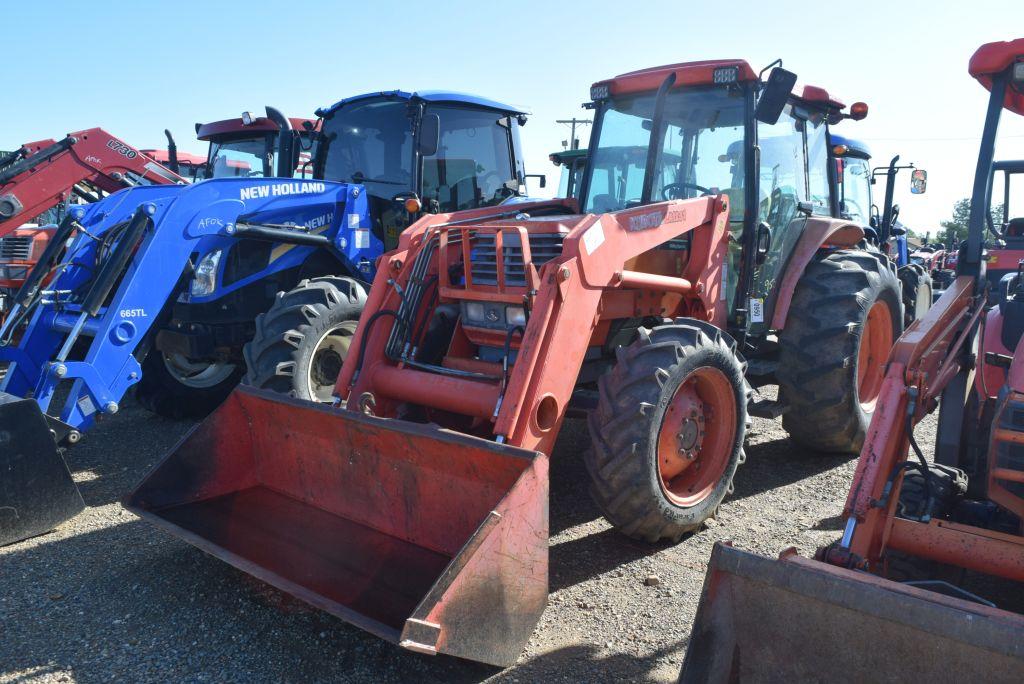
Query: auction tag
{"x": 756, "y": 310}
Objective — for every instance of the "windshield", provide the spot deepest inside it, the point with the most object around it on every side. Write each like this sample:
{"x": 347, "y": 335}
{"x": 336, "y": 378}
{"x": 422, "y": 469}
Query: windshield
{"x": 370, "y": 143}
{"x": 1006, "y": 203}
{"x": 699, "y": 154}
{"x": 473, "y": 164}
{"x": 241, "y": 157}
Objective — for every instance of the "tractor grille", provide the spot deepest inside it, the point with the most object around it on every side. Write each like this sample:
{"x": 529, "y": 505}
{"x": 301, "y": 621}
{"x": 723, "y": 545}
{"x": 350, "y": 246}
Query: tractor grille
{"x": 543, "y": 248}
{"x": 15, "y": 247}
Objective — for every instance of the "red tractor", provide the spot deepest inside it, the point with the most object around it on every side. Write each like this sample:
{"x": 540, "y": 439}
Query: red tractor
{"x": 44, "y": 176}
{"x": 416, "y": 507}
{"x": 906, "y": 593}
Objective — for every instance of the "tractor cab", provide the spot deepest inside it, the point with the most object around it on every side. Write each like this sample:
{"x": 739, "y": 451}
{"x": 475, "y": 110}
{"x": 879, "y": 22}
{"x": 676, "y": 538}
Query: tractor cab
{"x": 572, "y": 163}
{"x": 429, "y": 151}
{"x": 853, "y": 180}
{"x": 258, "y": 147}
{"x": 699, "y": 121}
{"x": 1005, "y": 218}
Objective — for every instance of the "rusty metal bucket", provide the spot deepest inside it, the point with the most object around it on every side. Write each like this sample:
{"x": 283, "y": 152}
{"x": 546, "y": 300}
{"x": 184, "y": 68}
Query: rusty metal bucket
{"x": 796, "y": 619}
{"x": 37, "y": 492}
{"x": 432, "y": 539}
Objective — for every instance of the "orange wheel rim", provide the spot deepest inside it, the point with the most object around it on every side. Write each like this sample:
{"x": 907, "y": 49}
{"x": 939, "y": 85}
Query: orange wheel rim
{"x": 875, "y": 344}
{"x": 696, "y": 436}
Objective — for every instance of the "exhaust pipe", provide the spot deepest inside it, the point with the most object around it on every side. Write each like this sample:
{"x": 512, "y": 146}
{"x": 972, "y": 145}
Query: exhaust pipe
{"x": 172, "y": 151}
{"x": 285, "y": 143}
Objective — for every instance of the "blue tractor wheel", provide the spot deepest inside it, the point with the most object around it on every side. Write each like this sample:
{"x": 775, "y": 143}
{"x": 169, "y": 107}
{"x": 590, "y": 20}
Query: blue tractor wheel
{"x": 301, "y": 342}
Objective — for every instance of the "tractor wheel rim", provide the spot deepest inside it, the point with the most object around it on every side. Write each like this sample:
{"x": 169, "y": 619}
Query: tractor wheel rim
{"x": 875, "y": 344}
{"x": 197, "y": 374}
{"x": 696, "y": 438}
{"x": 328, "y": 356}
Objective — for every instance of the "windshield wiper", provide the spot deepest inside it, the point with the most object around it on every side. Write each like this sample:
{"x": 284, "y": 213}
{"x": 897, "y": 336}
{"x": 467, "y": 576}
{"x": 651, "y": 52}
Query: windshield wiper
{"x": 360, "y": 178}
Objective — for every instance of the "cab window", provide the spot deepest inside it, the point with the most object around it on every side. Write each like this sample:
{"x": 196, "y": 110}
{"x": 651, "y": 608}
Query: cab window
{"x": 855, "y": 190}
{"x": 817, "y": 167}
{"x": 473, "y": 164}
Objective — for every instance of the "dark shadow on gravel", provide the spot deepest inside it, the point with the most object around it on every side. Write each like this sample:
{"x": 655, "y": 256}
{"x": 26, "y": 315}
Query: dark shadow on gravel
{"x": 588, "y": 663}
{"x": 779, "y": 463}
{"x": 577, "y": 560}
{"x": 834, "y": 523}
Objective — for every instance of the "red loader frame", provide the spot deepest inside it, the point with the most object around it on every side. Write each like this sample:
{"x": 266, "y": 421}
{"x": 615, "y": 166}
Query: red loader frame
{"x": 42, "y": 174}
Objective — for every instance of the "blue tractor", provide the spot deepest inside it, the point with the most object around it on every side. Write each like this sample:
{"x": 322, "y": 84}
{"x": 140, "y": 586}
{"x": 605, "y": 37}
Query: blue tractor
{"x": 426, "y": 151}
{"x": 854, "y": 180}
{"x": 180, "y": 291}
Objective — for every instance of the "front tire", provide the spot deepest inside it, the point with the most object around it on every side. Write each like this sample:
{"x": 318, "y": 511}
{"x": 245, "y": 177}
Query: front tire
{"x": 302, "y": 341}
{"x": 845, "y": 316}
{"x": 667, "y": 435}
{"x": 916, "y": 292}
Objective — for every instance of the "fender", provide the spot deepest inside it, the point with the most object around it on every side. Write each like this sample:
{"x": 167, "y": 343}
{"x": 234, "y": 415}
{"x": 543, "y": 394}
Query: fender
{"x": 819, "y": 232}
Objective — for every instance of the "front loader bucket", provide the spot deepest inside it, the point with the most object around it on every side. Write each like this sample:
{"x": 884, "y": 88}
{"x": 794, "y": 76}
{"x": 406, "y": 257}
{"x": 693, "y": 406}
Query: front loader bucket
{"x": 799, "y": 620}
{"x": 36, "y": 489}
{"x": 432, "y": 539}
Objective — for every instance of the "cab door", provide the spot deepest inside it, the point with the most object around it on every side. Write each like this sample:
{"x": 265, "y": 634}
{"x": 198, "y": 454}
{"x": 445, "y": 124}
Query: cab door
{"x": 793, "y": 183}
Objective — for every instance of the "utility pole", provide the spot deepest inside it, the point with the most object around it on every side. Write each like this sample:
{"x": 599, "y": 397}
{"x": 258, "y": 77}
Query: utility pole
{"x": 574, "y": 143}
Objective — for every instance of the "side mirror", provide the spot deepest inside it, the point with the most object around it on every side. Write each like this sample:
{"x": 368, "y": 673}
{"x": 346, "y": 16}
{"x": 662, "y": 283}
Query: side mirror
{"x": 543, "y": 182}
{"x": 918, "y": 181}
{"x": 774, "y": 96}
{"x": 430, "y": 134}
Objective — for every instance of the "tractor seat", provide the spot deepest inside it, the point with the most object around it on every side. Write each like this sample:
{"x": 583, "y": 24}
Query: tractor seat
{"x": 1015, "y": 228}
{"x": 1011, "y": 308}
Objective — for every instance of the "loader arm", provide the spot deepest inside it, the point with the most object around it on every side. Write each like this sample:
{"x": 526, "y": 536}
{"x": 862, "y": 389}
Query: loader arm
{"x": 922, "y": 363}
{"x": 594, "y": 261}
{"x": 118, "y": 275}
{"x": 50, "y": 170}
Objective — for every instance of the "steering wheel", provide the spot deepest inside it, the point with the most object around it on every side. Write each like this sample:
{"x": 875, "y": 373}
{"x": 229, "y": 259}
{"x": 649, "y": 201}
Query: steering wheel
{"x": 675, "y": 187}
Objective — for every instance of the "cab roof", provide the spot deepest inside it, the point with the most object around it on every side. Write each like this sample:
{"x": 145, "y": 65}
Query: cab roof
{"x": 859, "y": 148}
{"x": 818, "y": 96}
{"x": 687, "y": 73}
{"x": 563, "y": 156}
{"x": 992, "y": 58}
{"x": 435, "y": 96}
{"x": 236, "y": 126}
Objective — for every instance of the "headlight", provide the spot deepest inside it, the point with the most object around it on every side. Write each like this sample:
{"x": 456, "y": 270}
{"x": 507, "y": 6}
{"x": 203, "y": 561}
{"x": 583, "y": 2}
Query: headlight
{"x": 515, "y": 315}
{"x": 475, "y": 311}
{"x": 17, "y": 272}
{"x": 205, "y": 280}
{"x": 491, "y": 315}
{"x": 1018, "y": 72}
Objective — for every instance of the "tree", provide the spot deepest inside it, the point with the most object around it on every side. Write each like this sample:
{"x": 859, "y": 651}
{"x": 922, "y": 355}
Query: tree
{"x": 956, "y": 227}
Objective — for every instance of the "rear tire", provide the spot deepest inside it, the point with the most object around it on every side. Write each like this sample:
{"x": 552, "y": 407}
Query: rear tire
{"x": 177, "y": 394}
{"x": 303, "y": 339}
{"x": 829, "y": 371}
{"x": 675, "y": 400}
{"x": 916, "y": 292}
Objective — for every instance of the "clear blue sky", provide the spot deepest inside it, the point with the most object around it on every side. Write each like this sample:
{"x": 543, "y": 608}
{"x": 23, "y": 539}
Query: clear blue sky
{"x": 136, "y": 68}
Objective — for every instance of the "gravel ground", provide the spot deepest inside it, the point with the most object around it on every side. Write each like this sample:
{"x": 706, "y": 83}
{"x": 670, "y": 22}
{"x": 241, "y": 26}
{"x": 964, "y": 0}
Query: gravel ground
{"x": 107, "y": 597}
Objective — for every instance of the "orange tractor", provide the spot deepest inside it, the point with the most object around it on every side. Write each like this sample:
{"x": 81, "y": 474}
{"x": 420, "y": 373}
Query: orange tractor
{"x": 905, "y": 594}
{"x": 416, "y": 506}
